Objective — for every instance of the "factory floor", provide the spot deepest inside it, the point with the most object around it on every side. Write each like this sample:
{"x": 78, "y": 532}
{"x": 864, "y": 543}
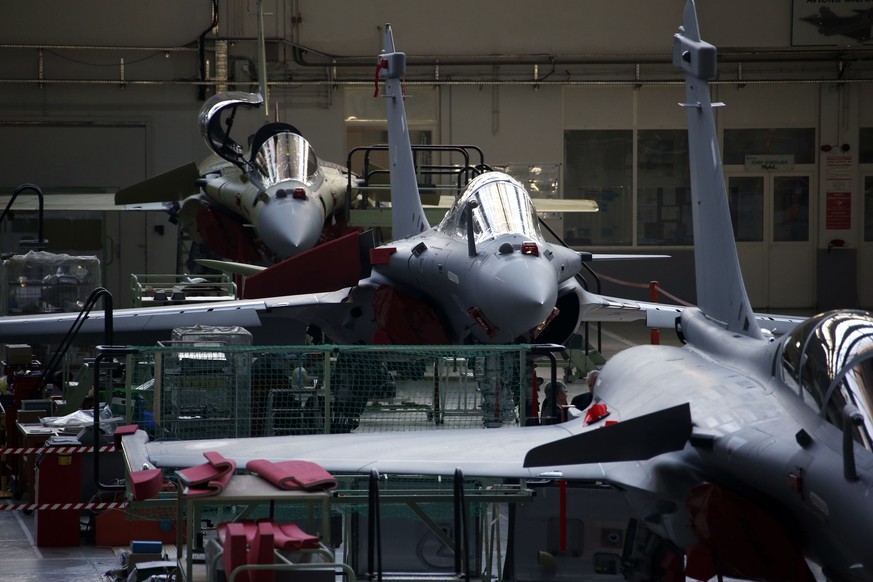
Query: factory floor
{"x": 22, "y": 561}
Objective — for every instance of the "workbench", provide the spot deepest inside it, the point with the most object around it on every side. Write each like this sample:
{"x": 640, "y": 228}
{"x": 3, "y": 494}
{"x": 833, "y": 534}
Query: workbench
{"x": 244, "y": 493}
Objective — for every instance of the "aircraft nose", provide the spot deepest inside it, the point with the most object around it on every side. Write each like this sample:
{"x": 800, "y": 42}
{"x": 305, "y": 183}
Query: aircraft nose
{"x": 522, "y": 294}
{"x": 289, "y": 226}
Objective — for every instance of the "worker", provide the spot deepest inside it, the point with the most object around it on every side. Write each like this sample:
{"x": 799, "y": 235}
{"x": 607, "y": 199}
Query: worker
{"x": 583, "y": 400}
{"x": 554, "y": 413}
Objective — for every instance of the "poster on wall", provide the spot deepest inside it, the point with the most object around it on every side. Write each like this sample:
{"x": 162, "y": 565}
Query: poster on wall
{"x": 838, "y": 211}
{"x": 831, "y": 22}
{"x": 838, "y": 191}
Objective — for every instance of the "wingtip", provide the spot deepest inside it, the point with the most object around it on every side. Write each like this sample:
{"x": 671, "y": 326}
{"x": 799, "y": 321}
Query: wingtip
{"x": 170, "y": 186}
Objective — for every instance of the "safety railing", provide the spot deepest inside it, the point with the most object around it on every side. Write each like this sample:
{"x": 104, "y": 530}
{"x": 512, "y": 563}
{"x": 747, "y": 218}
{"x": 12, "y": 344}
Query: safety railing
{"x": 218, "y": 391}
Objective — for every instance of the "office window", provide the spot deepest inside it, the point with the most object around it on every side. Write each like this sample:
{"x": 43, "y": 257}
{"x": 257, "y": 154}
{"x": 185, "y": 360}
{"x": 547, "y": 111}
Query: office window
{"x": 796, "y": 142}
{"x": 599, "y": 166}
{"x": 663, "y": 188}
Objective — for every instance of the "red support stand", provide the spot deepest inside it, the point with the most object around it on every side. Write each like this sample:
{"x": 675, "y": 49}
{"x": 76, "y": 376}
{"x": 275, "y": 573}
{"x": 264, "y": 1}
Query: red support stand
{"x": 654, "y": 334}
{"x": 58, "y": 480}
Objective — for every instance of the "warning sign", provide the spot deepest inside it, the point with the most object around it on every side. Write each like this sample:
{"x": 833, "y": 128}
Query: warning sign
{"x": 838, "y": 211}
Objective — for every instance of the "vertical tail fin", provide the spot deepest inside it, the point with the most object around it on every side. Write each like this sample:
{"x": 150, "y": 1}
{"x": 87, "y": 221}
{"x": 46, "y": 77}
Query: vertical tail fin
{"x": 407, "y": 213}
{"x": 721, "y": 293}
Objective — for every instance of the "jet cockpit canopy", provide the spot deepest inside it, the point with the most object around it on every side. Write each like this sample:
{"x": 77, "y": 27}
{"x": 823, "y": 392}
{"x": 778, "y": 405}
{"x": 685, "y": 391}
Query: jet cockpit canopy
{"x": 498, "y": 205}
{"x": 280, "y": 153}
{"x": 211, "y": 123}
{"x": 829, "y": 357}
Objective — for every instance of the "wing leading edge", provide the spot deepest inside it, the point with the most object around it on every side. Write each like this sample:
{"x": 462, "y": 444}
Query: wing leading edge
{"x": 273, "y": 320}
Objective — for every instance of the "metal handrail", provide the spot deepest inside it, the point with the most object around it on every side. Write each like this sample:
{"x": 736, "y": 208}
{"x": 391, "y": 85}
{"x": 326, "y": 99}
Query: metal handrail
{"x": 40, "y": 242}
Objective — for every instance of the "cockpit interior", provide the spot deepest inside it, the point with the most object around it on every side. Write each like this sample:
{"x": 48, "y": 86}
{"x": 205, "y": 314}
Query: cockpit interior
{"x": 829, "y": 359}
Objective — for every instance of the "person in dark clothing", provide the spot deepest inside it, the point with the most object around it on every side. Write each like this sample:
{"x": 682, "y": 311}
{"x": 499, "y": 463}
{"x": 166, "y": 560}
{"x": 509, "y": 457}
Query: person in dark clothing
{"x": 582, "y": 401}
{"x": 547, "y": 414}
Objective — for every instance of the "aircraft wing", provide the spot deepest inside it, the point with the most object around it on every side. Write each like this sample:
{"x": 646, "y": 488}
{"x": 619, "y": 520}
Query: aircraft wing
{"x": 542, "y": 204}
{"x": 231, "y": 267}
{"x": 85, "y": 201}
{"x": 435, "y": 208}
{"x": 662, "y": 315}
{"x": 498, "y": 453}
{"x": 173, "y": 185}
{"x": 478, "y": 452}
{"x": 565, "y": 205}
{"x": 275, "y": 320}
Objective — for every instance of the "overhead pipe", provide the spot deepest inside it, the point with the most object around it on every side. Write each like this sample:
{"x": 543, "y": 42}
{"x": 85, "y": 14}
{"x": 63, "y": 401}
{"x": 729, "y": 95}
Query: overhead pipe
{"x": 436, "y": 63}
{"x": 434, "y": 82}
{"x": 760, "y": 55}
{"x": 298, "y": 52}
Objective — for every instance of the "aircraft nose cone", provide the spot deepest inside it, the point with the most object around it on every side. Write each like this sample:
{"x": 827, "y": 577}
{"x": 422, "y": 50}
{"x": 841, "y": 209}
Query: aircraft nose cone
{"x": 289, "y": 226}
{"x": 522, "y": 294}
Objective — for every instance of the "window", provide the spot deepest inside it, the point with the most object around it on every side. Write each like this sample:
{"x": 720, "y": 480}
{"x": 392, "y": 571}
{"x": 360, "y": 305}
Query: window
{"x": 664, "y": 188}
{"x": 599, "y": 166}
{"x": 796, "y": 142}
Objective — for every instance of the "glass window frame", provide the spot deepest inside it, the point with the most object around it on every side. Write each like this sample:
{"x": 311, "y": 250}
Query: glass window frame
{"x": 612, "y": 189}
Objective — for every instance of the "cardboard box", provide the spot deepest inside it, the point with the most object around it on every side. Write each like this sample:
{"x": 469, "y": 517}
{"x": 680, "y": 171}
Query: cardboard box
{"x": 18, "y": 354}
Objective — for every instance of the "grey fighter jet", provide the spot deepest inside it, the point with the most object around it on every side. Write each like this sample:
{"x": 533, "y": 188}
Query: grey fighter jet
{"x": 743, "y": 455}
{"x": 258, "y": 206}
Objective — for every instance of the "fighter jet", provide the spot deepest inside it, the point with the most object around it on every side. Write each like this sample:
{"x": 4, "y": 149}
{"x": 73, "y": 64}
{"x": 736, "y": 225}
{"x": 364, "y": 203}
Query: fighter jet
{"x": 258, "y": 206}
{"x": 856, "y": 27}
{"x": 742, "y": 455}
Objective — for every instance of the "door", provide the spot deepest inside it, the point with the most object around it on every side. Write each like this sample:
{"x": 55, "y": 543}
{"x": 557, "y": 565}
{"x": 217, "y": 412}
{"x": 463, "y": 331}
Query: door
{"x": 773, "y": 230}
{"x": 138, "y": 242}
{"x": 865, "y": 252}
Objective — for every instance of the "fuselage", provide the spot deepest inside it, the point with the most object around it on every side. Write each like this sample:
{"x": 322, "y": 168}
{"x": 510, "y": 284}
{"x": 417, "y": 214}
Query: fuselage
{"x": 747, "y": 417}
{"x": 494, "y": 279}
{"x": 286, "y": 198}
{"x": 277, "y": 185}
